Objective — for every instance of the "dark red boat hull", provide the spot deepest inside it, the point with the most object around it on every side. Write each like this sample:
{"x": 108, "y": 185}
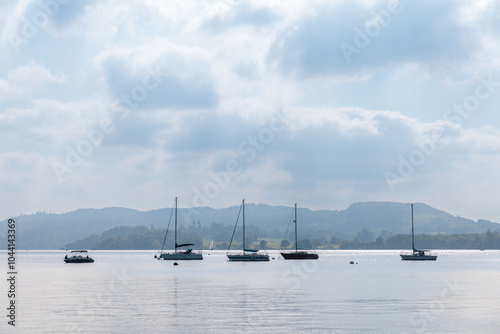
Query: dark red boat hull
{"x": 300, "y": 256}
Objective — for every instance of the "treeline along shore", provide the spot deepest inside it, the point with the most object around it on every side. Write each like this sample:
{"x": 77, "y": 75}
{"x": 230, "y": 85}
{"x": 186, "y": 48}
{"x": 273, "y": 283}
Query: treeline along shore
{"x": 144, "y": 238}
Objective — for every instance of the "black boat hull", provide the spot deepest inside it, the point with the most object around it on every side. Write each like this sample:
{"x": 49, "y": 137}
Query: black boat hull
{"x": 84, "y": 260}
{"x": 248, "y": 257}
{"x": 418, "y": 257}
{"x": 300, "y": 256}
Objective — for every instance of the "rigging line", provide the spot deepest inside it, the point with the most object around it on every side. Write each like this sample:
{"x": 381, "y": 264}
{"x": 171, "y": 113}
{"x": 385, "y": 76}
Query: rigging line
{"x": 252, "y": 232}
{"x": 416, "y": 219}
{"x": 406, "y": 242}
{"x": 169, "y": 221}
{"x": 409, "y": 236}
{"x": 234, "y": 230}
{"x": 288, "y": 227}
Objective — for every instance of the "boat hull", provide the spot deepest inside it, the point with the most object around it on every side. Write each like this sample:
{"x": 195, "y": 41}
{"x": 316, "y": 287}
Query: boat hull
{"x": 300, "y": 256}
{"x": 84, "y": 260}
{"x": 418, "y": 257}
{"x": 248, "y": 257}
{"x": 182, "y": 256}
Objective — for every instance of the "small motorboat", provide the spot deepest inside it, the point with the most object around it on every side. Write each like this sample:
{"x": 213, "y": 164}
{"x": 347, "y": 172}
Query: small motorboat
{"x": 78, "y": 256}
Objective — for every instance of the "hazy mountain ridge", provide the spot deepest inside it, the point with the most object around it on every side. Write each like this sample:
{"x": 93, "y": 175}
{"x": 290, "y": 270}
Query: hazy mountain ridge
{"x": 54, "y": 231}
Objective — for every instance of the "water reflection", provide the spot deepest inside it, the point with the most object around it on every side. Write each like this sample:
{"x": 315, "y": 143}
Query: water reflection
{"x": 130, "y": 292}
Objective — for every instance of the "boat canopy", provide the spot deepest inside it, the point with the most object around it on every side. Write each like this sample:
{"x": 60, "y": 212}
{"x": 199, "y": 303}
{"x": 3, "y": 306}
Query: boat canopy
{"x": 251, "y": 250}
{"x": 183, "y": 245}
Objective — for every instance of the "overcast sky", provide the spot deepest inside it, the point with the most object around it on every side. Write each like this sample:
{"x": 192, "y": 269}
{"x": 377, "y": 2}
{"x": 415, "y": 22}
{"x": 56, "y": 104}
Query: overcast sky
{"x": 323, "y": 103}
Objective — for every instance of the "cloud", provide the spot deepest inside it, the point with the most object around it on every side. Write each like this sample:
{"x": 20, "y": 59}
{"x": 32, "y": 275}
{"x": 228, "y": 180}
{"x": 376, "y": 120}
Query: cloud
{"x": 424, "y": 32}
{"x": 48, "y": 123}
{"x": 167, "y": 77}
{"x": 19, "y": 170}
{"x": 347, "y": 145}
{"x": 10, "y": 13}
{"x": 68, "y": 12}
{"x": 201, "y": 82}
{"x": 136, "y": 130}
{"x": 32, "y": 21}
{"x": 210, "y": 132}
{"x": 22, "y": 81}
{"x": 315, "y": 144}
{"x": 242, "y": 16}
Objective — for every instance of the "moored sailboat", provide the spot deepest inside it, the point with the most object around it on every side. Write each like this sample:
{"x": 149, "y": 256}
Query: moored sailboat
{"x": 418, "y": 254}
{"x": 187, "y": 254}
{"x": 247, "y": 255}
{"x": 298, "y": 255}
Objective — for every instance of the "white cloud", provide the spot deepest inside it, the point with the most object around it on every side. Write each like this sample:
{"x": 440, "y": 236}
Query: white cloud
{"x": 25, "y": 179}
{"x": 51, "y": 122}
{"x": 19, "y": 169}
{"x": 336, "y": 42}
{"x": 159, "y": 74}
{"x": 21, "y": 81}
{"x": 227, "y": 68}
{"x": 10, "y": 13}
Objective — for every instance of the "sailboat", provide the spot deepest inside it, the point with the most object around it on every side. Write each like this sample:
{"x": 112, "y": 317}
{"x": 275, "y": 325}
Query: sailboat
{"x": 187, "y": 254}
{"x": 298, "y": 255}
{"x": 418, "y": 254}
{"x": 250, "y": 255}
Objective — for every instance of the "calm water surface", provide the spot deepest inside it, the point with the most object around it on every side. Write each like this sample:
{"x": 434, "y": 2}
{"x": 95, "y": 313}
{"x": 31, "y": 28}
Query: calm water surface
{"x": 131, "y": 292}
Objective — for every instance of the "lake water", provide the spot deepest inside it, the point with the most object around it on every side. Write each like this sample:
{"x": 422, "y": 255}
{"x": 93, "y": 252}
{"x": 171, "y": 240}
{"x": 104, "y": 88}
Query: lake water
{"x": 131, "y": 292}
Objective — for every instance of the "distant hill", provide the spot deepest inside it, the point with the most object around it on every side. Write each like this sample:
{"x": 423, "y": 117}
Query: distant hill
{"x": 55, "y": 231}
{"x": 52, "y": 231}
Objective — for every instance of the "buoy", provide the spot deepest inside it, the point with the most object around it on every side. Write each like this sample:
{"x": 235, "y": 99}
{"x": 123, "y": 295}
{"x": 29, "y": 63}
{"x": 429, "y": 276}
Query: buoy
{"x": 175, "y": 264}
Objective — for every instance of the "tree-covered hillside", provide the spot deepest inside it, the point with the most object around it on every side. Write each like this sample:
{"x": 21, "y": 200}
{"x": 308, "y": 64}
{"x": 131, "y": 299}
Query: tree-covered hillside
{"x": 54, "y": 231}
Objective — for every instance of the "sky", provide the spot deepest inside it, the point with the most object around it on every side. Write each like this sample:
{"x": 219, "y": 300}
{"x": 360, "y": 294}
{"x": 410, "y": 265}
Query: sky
{"x": 320, "y": 103}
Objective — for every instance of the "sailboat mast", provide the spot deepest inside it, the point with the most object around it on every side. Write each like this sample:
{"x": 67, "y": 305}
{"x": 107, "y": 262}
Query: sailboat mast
{"x": 296, "y": 244}
{"x": 243, "y": 203}
{"x": 412, "y": 235}
{"x": 175, "y": 234}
